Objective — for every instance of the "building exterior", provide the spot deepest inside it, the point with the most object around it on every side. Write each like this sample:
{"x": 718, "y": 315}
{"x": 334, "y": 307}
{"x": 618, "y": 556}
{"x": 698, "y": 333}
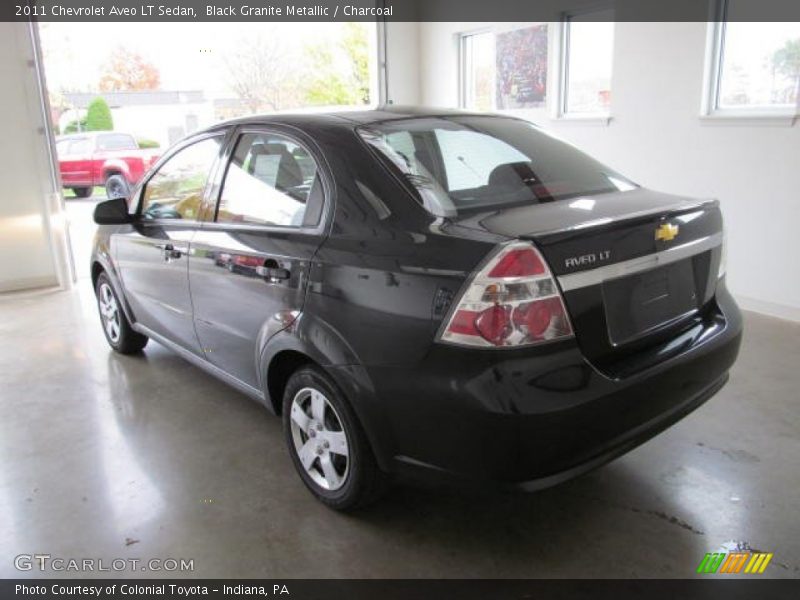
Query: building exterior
{"x": 160, "y": 115}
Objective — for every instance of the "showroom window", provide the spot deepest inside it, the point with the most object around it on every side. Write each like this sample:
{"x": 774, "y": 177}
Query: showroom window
{"x": 477, "y": 70}
{"x": 175, "y": 191}
{"x": 587, "y": 47}
{"x": 753, "y": 68}
{"x": 270, "y": 181}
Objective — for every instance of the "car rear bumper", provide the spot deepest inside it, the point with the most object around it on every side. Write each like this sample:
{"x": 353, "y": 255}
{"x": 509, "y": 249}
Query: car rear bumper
{"x": 533, "y": 417}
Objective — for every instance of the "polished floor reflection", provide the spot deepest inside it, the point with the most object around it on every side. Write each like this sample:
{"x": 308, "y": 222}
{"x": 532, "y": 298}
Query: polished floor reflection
{"x": 104, "y": 456}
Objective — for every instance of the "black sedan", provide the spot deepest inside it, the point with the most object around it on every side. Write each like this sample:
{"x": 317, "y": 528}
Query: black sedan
{"x": 418, "y": 292}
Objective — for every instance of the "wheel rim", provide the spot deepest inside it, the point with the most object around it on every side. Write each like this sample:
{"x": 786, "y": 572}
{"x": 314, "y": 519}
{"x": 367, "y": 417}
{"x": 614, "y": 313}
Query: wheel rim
{"x": 320, "y": 441}
{"x": 109, "y": 312}
{"x": 115, "y": 188}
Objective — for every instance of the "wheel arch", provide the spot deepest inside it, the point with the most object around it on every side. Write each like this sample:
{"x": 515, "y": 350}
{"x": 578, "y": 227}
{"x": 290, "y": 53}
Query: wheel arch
{"x": 308, "y": 337}
{"x": 279, "y": 370}
{"x": 310, "y": 340}
{"x": 116, "y": 167}
{"x": 99, "y": 266}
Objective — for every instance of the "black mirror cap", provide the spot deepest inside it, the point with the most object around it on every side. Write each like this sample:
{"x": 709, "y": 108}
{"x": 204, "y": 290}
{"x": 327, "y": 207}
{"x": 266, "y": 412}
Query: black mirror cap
{"x": 112, "y": 212}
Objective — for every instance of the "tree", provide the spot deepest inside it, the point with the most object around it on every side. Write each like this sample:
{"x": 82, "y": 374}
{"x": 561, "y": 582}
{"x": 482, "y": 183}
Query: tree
{"x": 348, "y": 86}
{"x": 98, "y": 116}
{"x": 356, "y": 47}
{"x": 262, "y": 74}
{"x": 128, "y": 70}
{"x": 75, "y": 126}
{"x": 786, "y": 61}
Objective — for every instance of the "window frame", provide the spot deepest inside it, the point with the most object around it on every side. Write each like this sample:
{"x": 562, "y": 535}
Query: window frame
{"x": 560, "y": 110}
{"x": 138, "y": 193}
{"x": 296, "y": 137}
{"x": 463, "y": 58}
{"x": 710, "y": 109}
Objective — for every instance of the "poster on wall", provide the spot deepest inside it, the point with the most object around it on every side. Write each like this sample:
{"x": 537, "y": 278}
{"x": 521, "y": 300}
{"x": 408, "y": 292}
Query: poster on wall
{"x": 521, "y": 62}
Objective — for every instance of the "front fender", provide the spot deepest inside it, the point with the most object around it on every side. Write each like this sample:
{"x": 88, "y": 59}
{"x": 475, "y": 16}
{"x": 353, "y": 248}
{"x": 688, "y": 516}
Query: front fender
{"x": 102, "y": 256}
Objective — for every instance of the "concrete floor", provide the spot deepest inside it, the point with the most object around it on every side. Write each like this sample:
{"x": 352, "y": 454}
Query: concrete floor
{"x": 104, "y": 456}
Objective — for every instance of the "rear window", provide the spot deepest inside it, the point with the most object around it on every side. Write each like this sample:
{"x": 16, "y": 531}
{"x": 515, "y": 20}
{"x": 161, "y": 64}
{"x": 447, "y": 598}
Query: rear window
{"x": 116, "y": 141}
{"x": 457, "y": 164}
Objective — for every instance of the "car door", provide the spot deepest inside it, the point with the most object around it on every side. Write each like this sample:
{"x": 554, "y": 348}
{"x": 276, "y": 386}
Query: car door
{"x": 152, "y": 254}
{"x": 249, "y": 264}
{"x": 75, "y": 161}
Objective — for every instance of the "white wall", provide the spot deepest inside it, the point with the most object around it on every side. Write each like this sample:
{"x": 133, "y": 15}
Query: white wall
{"x": 403, "y": 63}
{"x": 657, "y": 138}
{"x": 32, "y": 230}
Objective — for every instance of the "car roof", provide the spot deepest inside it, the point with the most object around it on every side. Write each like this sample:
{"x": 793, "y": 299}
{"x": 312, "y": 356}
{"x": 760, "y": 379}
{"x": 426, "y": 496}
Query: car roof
{"x": 354, "y": 118}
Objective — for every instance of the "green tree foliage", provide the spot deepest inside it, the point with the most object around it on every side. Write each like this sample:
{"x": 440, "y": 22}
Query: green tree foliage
{"x": 787, "y": 59}
{"x": 147, "y": 143}
{"x": 75, "y": 126}
{"x": 98, "y": 116}
{"x": 331, "y": 85}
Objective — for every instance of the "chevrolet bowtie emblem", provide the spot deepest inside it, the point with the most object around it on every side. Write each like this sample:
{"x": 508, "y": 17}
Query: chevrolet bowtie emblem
{"x": 667, "y": 232}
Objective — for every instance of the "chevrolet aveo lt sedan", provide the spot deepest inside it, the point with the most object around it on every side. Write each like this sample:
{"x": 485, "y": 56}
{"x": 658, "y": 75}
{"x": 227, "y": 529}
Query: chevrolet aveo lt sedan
{"x": 419, "y": 292}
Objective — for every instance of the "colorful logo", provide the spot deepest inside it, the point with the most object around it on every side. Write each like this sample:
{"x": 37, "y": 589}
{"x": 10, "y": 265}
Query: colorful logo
{"x": 734, "y": 562}
{"x": 667, "y": 232}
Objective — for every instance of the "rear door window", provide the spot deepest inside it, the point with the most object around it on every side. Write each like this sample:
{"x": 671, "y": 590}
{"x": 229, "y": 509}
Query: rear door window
{"x": 271, "y": 180}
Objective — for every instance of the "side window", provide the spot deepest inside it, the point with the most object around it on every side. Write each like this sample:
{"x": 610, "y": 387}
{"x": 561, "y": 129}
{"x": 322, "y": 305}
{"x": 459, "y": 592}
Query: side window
{"x": 271, "y": 180}
{"x": 80, "y": 146}
{"x": 116, "y": 141}
{"x": 175, "y": 191}
{"x": 62, "y": 147}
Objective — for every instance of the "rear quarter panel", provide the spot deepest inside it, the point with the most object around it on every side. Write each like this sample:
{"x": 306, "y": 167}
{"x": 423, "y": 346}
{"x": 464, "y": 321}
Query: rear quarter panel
{"x": 386, "y": 274}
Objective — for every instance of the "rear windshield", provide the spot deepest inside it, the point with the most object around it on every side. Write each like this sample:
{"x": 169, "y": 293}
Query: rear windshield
{"x": 463, "y": 163}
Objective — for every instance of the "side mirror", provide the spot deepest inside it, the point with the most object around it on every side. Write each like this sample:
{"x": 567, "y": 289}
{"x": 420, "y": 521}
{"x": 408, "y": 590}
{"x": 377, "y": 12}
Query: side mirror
{"x": 112, "y": 212}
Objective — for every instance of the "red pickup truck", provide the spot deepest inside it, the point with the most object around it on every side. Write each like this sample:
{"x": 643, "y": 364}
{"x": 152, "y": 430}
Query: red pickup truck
{"x": 106, "y": 158}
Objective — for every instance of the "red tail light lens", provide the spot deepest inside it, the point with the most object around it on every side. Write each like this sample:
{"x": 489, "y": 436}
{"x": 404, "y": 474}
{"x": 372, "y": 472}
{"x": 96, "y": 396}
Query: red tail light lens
{"x": 520, "y": 262}
{"x": 512, "y": 301}
{"x": 494, "y": 324}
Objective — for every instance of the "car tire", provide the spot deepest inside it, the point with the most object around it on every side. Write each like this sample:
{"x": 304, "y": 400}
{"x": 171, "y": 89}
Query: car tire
{"x": 117, "y": 186}
{"x": 82, "y": 192}
{"x": 116, "y": 327}
{"x": 317, "y": 438}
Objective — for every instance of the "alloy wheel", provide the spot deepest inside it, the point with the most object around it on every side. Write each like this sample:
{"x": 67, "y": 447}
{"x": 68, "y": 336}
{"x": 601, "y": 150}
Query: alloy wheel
{"x": 320, "y": 440}
{"x": 109, "y": 312}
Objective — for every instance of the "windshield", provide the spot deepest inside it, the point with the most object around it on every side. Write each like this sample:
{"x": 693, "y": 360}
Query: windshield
{"x": 463, "y": 163}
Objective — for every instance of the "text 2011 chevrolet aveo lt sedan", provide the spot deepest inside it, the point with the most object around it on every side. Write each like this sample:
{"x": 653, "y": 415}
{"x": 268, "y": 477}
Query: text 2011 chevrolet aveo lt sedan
{"x": 423, "y": 292}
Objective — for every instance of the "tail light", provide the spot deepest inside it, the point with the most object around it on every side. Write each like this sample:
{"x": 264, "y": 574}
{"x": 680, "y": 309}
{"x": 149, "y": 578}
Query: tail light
{"x": 512, "y": 301}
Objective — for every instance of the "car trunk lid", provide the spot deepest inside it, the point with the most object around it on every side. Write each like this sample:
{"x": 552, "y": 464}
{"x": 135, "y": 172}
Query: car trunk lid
{"x": 634, "y": 267}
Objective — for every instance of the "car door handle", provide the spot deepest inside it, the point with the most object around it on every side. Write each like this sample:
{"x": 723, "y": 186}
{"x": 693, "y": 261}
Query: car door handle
{"x": 170, "y": 252}
{"x": 273, "y": 274}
